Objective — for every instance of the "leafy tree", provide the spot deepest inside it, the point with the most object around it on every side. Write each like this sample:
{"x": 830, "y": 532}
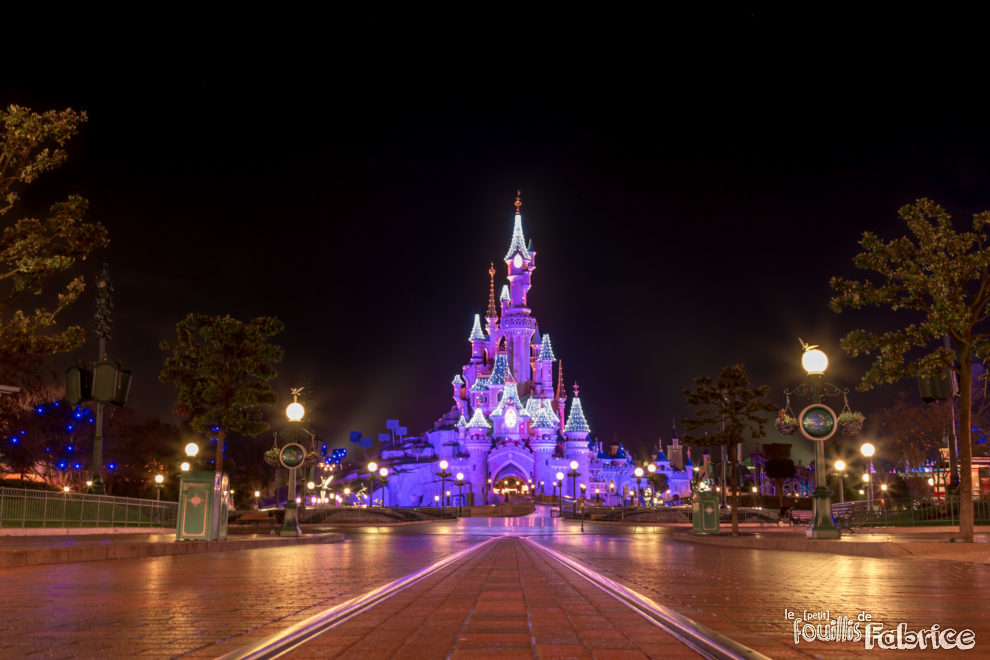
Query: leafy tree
{"x": 659, "y": 482}
{"x": 221, "y": 367}
{"x": 912, "y": 433}
{"x": 730, "y": 410}
{"x": 32, "y": 250}
{"x": 943, "y": 277}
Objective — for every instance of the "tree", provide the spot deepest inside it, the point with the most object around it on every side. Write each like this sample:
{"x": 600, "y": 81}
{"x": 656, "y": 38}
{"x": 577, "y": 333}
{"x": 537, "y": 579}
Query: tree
{"x": 730, "y": 411}
{"x": 33, "y": 250}
{"x": 912, "y": 433}
{"x": 943, "y": 277}
{"x": 221, "y": 367}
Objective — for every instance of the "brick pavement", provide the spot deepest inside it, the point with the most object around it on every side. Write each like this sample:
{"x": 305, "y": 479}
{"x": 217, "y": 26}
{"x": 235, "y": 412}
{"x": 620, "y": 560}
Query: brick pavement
{"x": 742, "y": 593}
{"x": 507, "y": 601}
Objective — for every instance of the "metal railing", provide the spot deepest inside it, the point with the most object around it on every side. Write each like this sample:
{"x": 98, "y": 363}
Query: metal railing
{"x": 914, "y": 512}
{"x": 40, "y": 508}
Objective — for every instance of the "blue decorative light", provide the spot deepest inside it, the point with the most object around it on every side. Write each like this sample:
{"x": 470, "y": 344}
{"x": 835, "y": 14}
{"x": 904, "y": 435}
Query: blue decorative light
{"x": 40, "y": 410}
{"x": 61, "y": 465}
{"x": 55, "y": 403}
{"x": 77, "y": 466}
{"x": 69, "y": 428}
{"x": 70, "y": 448}
{"x": 111, "y": 466}
{"x": 23, "y": 432}
{"x": 215, "y": 428}
{"x": 14, "y": 441}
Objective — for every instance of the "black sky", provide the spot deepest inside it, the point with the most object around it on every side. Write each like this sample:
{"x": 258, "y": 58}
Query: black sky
{"x": 690, "y": 185}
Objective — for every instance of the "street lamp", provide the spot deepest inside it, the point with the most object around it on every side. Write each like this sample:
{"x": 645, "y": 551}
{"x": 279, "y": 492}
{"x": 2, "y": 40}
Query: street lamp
{"x": 574, "y": 474}
{"x": 868, "y": 450}
{"x": 159, "y": 480}
{"x": 840, "y": 466}
{"x": 639, "y": 475}
{"x": 184, "y": 466}
{"x": 372, "y": 468}
{"x": 436, "y": 500}
{"x": 460, "y": 492}
{"x": 257, "y": 497}
{"x": 384, "y": 474}
{"x": 443, "y": 474}
{"x": 192, "y": 449}
{"x": 818, "y": 422}
{"x": 560, "y": 500}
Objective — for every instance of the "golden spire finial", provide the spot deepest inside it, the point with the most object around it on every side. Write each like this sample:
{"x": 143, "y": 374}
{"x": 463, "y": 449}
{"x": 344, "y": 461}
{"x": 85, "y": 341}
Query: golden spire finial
{"x": 518, "y": 201}
{"x": 492, "y": 308}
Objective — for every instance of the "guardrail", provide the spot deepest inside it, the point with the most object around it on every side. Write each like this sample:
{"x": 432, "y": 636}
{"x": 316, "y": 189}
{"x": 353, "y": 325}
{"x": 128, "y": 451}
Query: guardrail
{"x": 41, "y": 508}
{"x": 914, "y": 512}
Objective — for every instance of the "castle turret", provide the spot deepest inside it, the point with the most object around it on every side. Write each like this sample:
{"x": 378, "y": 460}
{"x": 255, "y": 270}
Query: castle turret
{"x": 544, "y": 365}
{"x": 576, "y": 432}
{"x": 520, "y": 261}
{"x": 477, "y": 339}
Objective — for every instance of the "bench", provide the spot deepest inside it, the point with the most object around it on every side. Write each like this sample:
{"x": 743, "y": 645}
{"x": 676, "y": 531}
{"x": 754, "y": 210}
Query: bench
{"x": 843, "y": 514}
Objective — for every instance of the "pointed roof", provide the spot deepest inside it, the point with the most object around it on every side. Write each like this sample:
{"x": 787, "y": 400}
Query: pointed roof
{"x": 461, "y": 423}
{"x": 476, "y": 331}
{"x": 457, "y": 380}
{"x": 478, "y": 420}
{"x": 505, "y": 292}
{"x": 518, "y": 243}
{"x": 661, "y": 457}
{"x": 543, "y": 419}
{"x": 500, "y": 372}
{"x": 536, "y": 337}
{"x": 480, "y": 384}
{"x": 576, "y": 423}
{"x": 510, "y": 397}
{"x": 546, "y": 349}
{"x": 492, "y": 312}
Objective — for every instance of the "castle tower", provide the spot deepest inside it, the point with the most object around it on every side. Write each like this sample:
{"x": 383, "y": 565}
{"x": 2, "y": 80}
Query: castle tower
{"x": 517, "y": 325}
{"x": 576, "y": 432}
{"x": 478, "y": 340}
{"x": 544, "y": 366}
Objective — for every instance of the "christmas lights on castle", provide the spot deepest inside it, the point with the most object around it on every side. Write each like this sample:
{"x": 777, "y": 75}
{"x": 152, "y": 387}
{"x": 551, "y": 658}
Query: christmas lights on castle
{"x": 511, "y": 426}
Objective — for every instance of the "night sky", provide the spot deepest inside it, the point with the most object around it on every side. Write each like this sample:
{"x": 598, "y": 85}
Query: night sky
{"x": 689, "y": 189}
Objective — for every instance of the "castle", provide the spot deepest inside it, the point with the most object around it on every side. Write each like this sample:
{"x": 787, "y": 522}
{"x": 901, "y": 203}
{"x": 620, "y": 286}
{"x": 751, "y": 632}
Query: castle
{"x": 510, "y": 428}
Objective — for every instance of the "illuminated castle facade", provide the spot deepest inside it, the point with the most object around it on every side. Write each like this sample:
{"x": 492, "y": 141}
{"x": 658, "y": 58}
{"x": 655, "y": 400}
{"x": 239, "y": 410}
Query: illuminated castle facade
{"x": 511, "y": 424}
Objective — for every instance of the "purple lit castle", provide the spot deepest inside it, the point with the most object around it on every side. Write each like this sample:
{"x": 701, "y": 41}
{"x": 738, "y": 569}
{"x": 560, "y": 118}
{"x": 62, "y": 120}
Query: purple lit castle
{"x": 510, "y": 429}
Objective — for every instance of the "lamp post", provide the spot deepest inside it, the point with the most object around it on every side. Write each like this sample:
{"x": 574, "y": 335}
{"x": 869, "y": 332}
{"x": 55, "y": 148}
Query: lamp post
{"x": 574, "y": 474}
{"x": 868, "y": 450}
{"x": 840, "y": 466}
{"x": 560, "y": 500}
{"x": 652, "y": 469}
{"x": 159, "y": 480}
{"x": 443, "y": 474}
{"x": 436, "y": 500}
{"x": 384, "y": 475}
{"x": 818, "y": 422}
{"x": 291, "y": 456}
{"x": 372, "y": 468}
{"x": 460, "y": 492}
{"x": 257, "y": 499}
{"x": 639, "y": 475}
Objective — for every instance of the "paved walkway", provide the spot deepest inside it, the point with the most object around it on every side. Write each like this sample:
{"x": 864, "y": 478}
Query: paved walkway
{"x": 920, "y": 543}
{"x": 507, "y": 600}
{"x": 18, "y": 551}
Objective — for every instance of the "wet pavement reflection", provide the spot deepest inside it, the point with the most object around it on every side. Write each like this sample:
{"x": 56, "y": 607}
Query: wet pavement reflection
{"x": 168, "y": 606}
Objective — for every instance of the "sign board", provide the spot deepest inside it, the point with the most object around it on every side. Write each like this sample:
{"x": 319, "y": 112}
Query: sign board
{"x": 817, "y": 422}
{"x": 292, "y": 455}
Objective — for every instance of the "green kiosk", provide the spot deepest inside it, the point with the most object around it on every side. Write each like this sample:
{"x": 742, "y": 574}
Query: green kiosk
{"x": 202, "y": 507}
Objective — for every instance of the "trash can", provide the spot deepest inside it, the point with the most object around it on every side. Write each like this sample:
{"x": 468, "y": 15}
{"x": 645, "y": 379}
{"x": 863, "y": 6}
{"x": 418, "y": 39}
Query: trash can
{"x": 704, "y": 513}
{"x": 202, "y": 511}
